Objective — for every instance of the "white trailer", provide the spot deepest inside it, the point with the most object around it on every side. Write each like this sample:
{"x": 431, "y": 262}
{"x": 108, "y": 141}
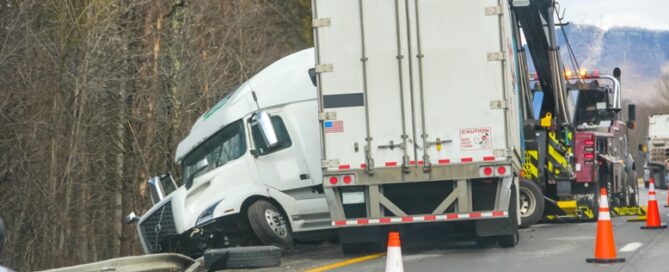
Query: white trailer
{"x": 658, "y": 137}
{"x": 658, "y": 149}
{"x": 419, "y": 115}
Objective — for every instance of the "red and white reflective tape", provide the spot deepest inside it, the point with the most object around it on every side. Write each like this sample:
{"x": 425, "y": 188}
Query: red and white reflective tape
{"x": 421, "y": 218}
{"x": 421, "y": 163}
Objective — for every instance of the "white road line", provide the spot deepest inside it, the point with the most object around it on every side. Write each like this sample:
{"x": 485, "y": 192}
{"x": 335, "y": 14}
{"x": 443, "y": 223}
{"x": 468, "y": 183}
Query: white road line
{"x": 631, "y": 247}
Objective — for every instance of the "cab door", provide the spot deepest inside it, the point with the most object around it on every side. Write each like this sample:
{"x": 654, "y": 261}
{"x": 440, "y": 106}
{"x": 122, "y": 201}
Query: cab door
{"x": 281, "y": 166}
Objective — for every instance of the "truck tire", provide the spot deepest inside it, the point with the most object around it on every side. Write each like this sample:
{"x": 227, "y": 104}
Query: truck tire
{"x": 253, "y": 257}
{"x": 241, "y": 257}
{"x": 269, "y": 224}
{"x": 531, "y": 203}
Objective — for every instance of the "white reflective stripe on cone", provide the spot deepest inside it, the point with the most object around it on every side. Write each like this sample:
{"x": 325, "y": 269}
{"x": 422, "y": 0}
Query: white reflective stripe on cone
{"x": 394, "y": 260}
{"x": 604, "y": 216}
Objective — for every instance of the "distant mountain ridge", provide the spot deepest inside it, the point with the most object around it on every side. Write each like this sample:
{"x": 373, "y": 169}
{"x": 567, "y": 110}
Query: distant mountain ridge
{"x": 642, "y": 54}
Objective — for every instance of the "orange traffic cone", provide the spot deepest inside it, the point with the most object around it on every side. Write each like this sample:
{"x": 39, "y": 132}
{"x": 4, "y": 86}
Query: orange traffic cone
{"x": 605, "y": 246}
{"x": 394, "y": 255}
{"x": 653, "y": 214}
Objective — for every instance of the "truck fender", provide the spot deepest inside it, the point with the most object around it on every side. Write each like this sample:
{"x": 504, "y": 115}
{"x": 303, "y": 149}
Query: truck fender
{"x": 233, "y": 201}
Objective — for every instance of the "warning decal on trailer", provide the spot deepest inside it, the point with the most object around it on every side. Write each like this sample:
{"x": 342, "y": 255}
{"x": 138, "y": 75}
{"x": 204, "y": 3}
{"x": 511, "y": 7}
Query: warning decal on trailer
{"x": 475, "y": 139}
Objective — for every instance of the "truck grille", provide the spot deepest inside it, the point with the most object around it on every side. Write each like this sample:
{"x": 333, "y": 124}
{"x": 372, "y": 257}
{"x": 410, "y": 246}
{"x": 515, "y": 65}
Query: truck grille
{"x": 157, "y": 227}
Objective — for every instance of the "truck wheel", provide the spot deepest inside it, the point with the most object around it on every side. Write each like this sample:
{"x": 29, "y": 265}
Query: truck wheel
{"x": 270, "y": 224}
{"x": 531, "y": 203}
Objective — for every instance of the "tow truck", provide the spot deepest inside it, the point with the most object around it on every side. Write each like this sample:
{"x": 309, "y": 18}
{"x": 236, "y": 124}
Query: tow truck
{"x": 575, "y": 139}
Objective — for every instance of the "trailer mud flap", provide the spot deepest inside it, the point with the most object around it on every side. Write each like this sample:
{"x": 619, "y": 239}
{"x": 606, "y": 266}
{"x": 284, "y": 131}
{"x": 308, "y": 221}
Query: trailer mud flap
{"x": 501, "y": 226}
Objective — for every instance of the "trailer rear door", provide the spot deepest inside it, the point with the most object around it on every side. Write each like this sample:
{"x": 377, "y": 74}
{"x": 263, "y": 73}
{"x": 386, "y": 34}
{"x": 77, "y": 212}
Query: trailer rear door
{"x": 412, "y": 82}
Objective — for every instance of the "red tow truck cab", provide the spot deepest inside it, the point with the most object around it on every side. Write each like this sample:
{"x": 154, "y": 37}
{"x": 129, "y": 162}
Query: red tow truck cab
{"x": 585, "y": 154}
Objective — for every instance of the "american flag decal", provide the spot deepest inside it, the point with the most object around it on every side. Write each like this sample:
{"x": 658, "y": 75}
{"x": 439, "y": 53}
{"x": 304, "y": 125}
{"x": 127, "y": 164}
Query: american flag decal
{"x": 333, "y": 126}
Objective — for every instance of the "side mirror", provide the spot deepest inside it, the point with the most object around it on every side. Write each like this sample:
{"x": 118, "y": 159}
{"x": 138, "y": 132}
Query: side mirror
{"x": 264, "y": 120}
{"x": 161, "y": 186}
{"x": 131, "y": 218}
{"x": 631, "y": 116}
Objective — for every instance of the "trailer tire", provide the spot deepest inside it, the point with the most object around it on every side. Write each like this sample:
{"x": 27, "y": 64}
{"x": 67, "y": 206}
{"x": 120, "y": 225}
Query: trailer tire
{"x": 531, "y": 203}
{"x": 270, "y": 224}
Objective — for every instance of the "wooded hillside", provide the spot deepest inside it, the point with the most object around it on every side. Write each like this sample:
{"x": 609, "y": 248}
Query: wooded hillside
{"x": 94, "y": 97}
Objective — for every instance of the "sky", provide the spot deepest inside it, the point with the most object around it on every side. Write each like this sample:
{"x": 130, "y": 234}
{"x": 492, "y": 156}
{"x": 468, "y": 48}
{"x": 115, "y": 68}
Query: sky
{"x": 651, "y": 14}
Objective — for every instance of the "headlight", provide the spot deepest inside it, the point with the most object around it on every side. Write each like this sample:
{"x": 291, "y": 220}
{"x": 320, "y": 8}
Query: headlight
{"x": 207, "y": 215}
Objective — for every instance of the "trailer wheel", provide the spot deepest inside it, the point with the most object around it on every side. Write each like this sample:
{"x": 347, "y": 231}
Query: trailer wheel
{"x": 531, "y": 203}
{"x": 270, "y": 224}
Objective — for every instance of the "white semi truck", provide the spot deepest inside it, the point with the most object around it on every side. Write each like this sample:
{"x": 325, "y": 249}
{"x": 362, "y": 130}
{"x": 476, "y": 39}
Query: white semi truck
{"x": 420, "y": 118}
{"x": 658, "y": 149}
{"x": 250, "y": 169}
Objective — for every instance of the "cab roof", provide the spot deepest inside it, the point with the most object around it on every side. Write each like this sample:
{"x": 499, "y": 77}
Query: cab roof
{"x": 283, "y": 82}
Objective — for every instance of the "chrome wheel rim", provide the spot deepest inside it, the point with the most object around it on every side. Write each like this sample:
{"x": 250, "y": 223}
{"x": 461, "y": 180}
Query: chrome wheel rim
{"x": 527, "y": 202}
{"x": 276, "y": 222}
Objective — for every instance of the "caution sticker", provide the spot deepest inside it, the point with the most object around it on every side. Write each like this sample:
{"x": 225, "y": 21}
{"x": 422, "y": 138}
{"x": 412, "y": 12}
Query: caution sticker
{"x": 475, "y": 139}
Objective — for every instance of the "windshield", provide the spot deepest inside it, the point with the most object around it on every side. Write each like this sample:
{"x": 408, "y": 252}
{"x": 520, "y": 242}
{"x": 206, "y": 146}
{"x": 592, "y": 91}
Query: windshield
{"x": 226, "y": 145}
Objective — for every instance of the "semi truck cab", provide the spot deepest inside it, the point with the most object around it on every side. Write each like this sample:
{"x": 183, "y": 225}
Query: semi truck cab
{"x": 250, "y": 169}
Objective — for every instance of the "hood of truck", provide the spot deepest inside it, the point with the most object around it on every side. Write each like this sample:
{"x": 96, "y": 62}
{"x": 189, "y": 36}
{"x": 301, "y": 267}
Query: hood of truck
{"x": 285, "y": 81}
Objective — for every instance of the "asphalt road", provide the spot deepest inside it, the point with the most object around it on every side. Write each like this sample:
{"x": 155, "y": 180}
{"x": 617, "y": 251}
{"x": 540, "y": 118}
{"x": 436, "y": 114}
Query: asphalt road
{"x": 543, "y": 247}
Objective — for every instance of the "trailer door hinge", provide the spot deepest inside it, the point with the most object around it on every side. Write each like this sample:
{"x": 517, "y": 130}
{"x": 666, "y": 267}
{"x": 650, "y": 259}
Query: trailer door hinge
{"x": 330, "y": 164}
{"x": 324, "y": 68}
{"x": 327, "y": 115}
{"x": 496, "y": 56}
{"x": 321, "y": 22}
{"x": 498, "y": 105}
{"x": 494, "y": 10}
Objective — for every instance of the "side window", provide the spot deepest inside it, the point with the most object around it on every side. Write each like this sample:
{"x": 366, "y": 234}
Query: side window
{"x": 281, "y": 134}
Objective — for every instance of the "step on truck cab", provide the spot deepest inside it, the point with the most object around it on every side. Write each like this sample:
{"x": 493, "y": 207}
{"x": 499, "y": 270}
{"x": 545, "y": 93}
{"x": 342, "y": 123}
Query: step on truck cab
{"x": 250, "y": 169}
{"x": 418, "y": 105}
